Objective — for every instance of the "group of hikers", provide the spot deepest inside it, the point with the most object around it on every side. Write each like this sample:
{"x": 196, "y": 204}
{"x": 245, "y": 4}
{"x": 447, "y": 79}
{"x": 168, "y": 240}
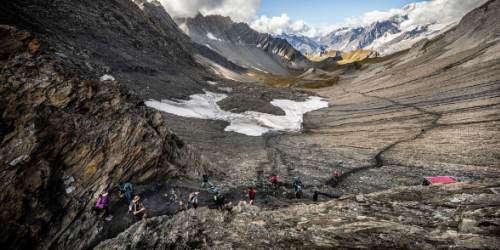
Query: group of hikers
{"x": 138, "y": 210}
{"x": 125, "y": 192}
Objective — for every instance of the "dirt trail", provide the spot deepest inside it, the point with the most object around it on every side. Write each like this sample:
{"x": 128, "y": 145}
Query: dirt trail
{"x": 378, "y": 157}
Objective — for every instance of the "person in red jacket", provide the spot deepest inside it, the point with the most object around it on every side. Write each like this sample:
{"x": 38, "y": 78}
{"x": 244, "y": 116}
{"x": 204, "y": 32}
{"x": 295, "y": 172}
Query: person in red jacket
{"x": 274, "y": 180}
{"x": 251, "y": 195}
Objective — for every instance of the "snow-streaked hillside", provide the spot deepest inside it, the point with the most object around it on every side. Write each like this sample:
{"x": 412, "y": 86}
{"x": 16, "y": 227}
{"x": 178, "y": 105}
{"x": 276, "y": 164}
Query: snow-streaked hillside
{"x": 385, "y": 37}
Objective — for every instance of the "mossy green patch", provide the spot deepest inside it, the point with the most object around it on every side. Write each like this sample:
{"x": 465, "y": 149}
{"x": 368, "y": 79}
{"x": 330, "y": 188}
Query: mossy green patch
{"x": 384, "y": 58}
{"x": 321, "y": 84}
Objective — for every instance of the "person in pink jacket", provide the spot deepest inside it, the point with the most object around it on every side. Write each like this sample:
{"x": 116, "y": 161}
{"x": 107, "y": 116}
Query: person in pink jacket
{"x": 102, "y": 205}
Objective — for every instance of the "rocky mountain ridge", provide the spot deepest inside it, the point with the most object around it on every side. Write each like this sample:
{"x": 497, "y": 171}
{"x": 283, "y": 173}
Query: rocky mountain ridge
{"x": 136, "y": 42}
{"x": 242, "y": 45}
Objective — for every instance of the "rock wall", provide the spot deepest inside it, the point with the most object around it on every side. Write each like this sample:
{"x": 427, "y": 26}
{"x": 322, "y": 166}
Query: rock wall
{"x": 135, "y": 41}
{"x": 57, "y": 123}
{"x": 459, "y": 216}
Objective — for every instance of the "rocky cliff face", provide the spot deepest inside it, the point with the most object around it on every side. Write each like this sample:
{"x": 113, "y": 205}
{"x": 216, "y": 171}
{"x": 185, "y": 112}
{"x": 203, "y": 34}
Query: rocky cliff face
{"x": 463, "y": 216}
{"x": 243, "y": 45}
{"x": 64, "y": 138}
{"x": 135, "y": 41}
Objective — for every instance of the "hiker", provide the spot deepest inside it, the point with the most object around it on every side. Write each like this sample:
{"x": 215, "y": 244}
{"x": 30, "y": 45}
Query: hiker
{"x": 436, "y": 112}
{"x": 298, "y": 192}
{"x": 274, "y": 180}
{"x": 205, "y": 180}
{"x": 298, "y": 183}
{"x": 137, "y": 208}
{"x": 219, "y": 199}
{"x": 250, "y": 195}
{"x": 193, "y": 199}
{"x": 336, "y": 176}
{"x": 315, "y": 195}
{"x": 102, "y": 205}
{"x": 126, "y": 192}
{"x": 423, "y": 130}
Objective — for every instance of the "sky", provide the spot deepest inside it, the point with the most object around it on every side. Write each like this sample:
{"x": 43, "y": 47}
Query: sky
{"x": 317, "y": 17}
{"x": 326, "y": 12}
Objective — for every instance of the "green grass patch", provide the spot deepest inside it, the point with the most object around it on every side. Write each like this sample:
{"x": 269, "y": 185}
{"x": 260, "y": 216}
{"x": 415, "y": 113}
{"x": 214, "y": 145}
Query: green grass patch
{"x": 324, "y": 76}
{"x": 384, "y": 58}
{"x": 275, "y": 80}
{"x": 321, "y": 84}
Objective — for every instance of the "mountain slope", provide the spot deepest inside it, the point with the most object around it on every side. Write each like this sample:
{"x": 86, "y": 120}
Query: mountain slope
{"x": 135, "y": 41}
{"x": 57, "y": 125}
{"x": 242, "y": 45}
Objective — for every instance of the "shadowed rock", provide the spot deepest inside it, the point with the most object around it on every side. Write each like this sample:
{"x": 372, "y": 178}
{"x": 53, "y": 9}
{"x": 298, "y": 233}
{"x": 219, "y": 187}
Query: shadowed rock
{"x": 57, "y": 123}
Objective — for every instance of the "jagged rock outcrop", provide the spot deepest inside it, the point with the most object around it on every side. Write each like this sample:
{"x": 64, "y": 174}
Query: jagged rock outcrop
{"x": 331, "y": 53}
{"x": 134, "y": 41}
{"x": 56, "y": 123}
{"x": 462, "y": 216}
{"x": 243, "y": 45}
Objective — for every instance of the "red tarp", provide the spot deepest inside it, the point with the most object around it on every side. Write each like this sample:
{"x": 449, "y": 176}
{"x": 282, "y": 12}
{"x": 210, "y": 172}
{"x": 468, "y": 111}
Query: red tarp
{"x": 441, "y": 179}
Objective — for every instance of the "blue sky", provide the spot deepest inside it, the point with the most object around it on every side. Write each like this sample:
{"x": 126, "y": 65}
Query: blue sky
{"x": 326, "y": 12}
{"x": 317, "y": 17}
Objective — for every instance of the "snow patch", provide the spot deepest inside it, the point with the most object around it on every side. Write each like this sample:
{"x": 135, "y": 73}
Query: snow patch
{"x": 70, "y": 189}
{"x": 227, "y": 89}
{"x": 212, "y": 37}
{"x": 212, "y": 83}
{"x": 107, "y": 78}
{"x": 19, "y": 159}
{"x": 258, "y": 69}
{"x": 204, "y": 106}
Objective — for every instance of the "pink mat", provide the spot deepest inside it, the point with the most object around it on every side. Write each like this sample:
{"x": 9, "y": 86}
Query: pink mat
{"x": 441, "y": 179}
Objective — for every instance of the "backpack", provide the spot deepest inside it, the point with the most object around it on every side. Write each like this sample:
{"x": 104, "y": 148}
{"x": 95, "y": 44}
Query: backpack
{"x": 299, "y": 191}
{"x": 126, "y": 186}
{"x": 274, "y": 180}
{"x": 218, "y": 196}
{"x": 193, "y": 197}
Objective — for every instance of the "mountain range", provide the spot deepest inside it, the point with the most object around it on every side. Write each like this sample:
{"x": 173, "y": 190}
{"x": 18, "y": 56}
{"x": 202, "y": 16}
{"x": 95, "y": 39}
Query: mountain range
{"x": 385, "y": 37}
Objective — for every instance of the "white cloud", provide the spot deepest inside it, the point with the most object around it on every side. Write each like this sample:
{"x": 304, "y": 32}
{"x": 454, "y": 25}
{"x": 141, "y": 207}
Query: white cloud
{"x": 238, "y": 10}
{"x": 371, "y": 17}
{"x": 439, "y": 11}
{"x": 279, "y": 25}
{"x": 427, "y": 12}
{"x": 436, "y": 12}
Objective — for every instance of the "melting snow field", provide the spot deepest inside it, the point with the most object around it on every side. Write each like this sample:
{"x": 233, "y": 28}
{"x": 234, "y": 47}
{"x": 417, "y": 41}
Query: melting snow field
{"x": 204, "y": 106}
